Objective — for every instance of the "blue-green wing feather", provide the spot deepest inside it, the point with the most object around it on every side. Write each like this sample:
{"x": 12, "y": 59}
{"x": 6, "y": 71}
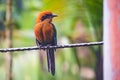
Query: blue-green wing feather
{"x": 54, "y": 36}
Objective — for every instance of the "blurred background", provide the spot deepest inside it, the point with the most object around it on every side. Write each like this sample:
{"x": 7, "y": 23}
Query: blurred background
{"x": 78, "y": 21}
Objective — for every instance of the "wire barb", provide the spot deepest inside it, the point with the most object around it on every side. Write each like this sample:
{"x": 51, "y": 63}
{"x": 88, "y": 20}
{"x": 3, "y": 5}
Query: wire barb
{"x": 56, "y": 46}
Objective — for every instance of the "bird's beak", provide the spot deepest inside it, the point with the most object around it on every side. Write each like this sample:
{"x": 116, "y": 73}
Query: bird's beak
{"x": 54, "y": 15}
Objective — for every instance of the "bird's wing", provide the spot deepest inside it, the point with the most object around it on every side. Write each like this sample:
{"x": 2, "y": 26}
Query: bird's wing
{"x": 55, "y": 35}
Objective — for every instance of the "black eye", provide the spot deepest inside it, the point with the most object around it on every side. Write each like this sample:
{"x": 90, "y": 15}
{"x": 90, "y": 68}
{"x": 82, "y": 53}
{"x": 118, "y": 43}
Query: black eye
{"x": 46, "y": 16}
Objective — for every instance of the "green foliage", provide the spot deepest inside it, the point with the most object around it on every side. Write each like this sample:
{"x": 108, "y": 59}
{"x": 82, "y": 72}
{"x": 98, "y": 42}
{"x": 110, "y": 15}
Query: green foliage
{"x": 77, "y": 20}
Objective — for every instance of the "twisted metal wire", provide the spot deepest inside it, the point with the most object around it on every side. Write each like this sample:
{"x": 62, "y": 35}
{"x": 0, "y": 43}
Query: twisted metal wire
{"x": 56, "y": 46}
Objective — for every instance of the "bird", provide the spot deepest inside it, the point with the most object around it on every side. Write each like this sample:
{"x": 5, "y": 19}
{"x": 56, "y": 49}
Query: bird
{"x": 46, "y": 35}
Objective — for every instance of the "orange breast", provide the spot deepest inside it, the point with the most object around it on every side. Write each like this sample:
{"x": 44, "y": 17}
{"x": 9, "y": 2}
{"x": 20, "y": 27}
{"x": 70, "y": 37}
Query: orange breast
{"x": 47, "y": 30}
{"x": 38, "y": 32}
{"x": 44, "y": 33}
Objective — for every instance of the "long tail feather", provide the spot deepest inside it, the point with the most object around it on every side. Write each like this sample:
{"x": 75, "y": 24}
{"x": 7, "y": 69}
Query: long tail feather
{"x": 51, "y": 61}
{"x": 48, "y": 60}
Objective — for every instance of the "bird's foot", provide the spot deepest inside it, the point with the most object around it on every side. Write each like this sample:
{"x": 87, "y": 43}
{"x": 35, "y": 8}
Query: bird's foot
{"x": 39, "y": 47}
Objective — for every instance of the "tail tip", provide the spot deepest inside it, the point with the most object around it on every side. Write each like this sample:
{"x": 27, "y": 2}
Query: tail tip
{"x": 53, "y": 73}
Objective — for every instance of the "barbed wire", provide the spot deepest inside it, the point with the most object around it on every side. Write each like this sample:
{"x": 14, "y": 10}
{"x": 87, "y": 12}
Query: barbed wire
{"x": 56, "y": 46}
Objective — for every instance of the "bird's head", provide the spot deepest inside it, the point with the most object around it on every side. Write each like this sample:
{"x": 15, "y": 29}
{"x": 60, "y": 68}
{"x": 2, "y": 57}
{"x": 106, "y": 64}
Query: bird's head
{"x": 45, "y": 16}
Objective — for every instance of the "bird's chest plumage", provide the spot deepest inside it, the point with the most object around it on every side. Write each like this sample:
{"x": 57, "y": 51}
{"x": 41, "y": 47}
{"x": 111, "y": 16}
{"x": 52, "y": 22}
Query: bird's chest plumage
{"x": 48, "y": 33}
